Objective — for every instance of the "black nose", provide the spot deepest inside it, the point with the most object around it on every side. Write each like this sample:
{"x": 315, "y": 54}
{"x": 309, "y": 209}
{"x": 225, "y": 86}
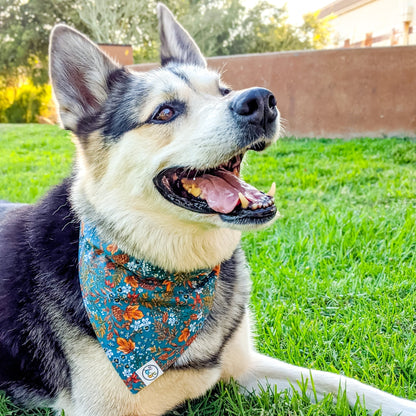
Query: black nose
{"x": 256, "y": 105}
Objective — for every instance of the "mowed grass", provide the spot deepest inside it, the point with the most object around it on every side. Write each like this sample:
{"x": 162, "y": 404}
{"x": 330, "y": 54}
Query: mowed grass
{"x": 33, "y": 157}
{"x": 334, "y": 279}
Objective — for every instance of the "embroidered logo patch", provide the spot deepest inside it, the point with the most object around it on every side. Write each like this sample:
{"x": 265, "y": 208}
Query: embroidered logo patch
{"x": 144, "y": 317}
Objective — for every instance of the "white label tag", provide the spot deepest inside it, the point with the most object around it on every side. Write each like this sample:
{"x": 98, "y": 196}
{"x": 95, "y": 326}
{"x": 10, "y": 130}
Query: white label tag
{"x": 149, "y": 372}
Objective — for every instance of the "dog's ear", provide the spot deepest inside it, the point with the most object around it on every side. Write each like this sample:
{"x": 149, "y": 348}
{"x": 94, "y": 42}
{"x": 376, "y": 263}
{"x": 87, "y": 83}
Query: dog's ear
{"x": 176, "y": 43}
{"x": 79, "y": 73}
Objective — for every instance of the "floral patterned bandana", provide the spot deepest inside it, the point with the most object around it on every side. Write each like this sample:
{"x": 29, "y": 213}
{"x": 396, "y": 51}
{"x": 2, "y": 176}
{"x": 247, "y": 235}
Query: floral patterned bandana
{"x": 144, "y": 317}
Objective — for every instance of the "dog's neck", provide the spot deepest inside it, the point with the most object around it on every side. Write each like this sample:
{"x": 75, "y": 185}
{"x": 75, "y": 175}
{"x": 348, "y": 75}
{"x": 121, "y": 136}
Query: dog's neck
{"x": 184, "y": 247}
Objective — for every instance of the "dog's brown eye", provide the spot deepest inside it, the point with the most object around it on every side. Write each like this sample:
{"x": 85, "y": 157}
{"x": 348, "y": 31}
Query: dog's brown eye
{"x": 167, "y": 112}
{"x": 164, "y": 114}
{"x": 225, "y": 91}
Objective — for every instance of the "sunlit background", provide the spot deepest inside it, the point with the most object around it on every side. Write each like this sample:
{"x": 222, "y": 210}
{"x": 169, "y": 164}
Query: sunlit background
{"x": 220, "y": 28}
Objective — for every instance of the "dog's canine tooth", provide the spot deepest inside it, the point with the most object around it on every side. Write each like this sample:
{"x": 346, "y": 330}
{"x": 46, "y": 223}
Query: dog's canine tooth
{"x": 243, "y": 200}
{"x": 272, "y": 190}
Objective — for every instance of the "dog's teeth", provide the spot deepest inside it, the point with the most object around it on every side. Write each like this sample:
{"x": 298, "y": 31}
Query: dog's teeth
{"x": 255, "y": 206}
{"x": 195, "y": 191}
{"x": 192, "y": 189}
{"x": 272, "y": 190}
{"x": 243, "y": 200}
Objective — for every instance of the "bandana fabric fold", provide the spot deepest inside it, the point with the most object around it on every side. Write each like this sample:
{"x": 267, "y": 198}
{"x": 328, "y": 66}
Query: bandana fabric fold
{"x": 144, "y": 317}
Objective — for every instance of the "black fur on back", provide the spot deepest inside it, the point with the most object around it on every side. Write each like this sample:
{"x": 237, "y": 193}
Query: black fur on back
{"x": 38, "y": 278}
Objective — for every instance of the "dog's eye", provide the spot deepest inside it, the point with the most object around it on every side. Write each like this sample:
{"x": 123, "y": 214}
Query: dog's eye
{"x": 167, "y": 112}
{"x": 164, "y": 114}
{"x": 225, "y": 91}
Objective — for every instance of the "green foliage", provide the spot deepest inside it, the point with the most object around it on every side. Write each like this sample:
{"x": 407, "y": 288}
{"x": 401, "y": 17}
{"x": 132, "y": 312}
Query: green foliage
{"x": 119, "y": 22}
{"x": 24, "y": 103}
{"x": 265, "y": 28}
{"x": 226, "y": 27}
{"x": 220, "y": 27}
{"x": 213, "y": 24}
{"x": 317, "y": 32}
{"x": 24, "y": 34}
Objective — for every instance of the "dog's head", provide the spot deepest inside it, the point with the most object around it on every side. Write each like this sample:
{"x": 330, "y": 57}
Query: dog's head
{"x": 168, "y": 142}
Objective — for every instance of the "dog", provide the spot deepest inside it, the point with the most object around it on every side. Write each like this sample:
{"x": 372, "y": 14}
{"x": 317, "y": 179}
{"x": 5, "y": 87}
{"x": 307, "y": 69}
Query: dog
{"x": 124, "y": 291}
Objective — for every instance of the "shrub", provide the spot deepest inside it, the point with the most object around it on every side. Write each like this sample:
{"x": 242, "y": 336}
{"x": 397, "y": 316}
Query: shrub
{"x": 25, "y": 103}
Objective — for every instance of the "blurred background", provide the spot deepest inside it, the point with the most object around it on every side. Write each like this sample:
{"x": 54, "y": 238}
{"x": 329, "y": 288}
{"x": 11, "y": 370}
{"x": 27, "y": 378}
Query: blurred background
{"x": 304, "y": 83}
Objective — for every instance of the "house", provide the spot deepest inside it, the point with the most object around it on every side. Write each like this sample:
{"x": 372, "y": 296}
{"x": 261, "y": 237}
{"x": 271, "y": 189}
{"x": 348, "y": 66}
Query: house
{"x": 363, "y": 23}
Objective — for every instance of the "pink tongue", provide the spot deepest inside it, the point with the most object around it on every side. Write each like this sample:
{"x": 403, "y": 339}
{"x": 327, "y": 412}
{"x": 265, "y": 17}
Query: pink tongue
{"x": 221, "y": 191}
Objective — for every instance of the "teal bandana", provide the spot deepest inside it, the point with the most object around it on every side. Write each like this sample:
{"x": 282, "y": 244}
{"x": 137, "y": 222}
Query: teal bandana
{"x": 144, "y": 317}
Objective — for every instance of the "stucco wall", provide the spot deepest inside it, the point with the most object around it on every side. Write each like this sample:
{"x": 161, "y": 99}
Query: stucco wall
{"x": 333, "y": 93}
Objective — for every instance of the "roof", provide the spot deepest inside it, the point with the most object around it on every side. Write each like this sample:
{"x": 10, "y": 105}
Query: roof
{"x": 339, "y": 7}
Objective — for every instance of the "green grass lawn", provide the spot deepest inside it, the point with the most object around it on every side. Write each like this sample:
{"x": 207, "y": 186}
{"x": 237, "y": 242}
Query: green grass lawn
{"x": 334, "y": 279}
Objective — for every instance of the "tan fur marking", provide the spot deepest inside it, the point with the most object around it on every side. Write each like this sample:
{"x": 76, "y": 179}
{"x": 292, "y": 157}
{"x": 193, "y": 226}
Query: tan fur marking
{"x": 93, "y": 156}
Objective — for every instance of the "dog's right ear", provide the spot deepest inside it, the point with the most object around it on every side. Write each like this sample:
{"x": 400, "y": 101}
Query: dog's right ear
{"x": 79, "y": 73}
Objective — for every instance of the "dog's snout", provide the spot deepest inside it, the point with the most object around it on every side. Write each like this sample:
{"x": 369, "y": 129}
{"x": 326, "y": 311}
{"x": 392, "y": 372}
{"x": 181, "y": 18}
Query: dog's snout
{"x": 256, "y": 105}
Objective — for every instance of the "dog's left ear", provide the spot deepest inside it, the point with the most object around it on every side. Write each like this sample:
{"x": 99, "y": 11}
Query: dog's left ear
{"x": 177, "y": 44}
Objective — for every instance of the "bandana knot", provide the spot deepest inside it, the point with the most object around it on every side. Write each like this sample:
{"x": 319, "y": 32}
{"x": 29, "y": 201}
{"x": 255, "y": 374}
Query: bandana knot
{"x": 143, "y": 316}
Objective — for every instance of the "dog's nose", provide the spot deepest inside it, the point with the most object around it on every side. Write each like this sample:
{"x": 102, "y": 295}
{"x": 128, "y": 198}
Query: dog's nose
{"x": 256, "y": 105}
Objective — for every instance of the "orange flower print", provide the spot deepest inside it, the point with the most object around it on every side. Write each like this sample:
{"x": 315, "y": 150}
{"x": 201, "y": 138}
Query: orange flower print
{"x": 184, "y": 335}
{"x": 121, "y": 258}
{"x": 132, "y": 312}
{"x": 126, "y": 346}
{"x": 112, "y": 248}
{"x": 131, "y": 280}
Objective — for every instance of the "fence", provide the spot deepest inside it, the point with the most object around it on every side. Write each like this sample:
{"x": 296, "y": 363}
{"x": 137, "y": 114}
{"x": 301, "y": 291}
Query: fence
{"x": 333, "y": 93}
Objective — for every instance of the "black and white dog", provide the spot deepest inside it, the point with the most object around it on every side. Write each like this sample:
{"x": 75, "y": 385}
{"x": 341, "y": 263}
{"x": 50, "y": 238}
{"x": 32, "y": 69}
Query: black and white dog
{"x": 156, "y": 179}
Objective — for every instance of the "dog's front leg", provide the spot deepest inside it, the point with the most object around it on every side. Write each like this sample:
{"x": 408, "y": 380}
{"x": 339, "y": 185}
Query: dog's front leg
{"x": 264, "y": 371}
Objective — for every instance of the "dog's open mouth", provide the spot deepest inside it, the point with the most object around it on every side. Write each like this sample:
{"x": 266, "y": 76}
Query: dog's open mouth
{"x": 217, "y": 191}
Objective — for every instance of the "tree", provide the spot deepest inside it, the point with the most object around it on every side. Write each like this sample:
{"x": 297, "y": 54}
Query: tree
{"x": 317, "y": 31}
{"x": 226, "y": 27}
{"x": 119, "y": 22}
{"x": 214, "y": 24}
{"x": 266, "y": 29}
{"x": 220, "y": 27}
{"x": 24, "y": 34}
